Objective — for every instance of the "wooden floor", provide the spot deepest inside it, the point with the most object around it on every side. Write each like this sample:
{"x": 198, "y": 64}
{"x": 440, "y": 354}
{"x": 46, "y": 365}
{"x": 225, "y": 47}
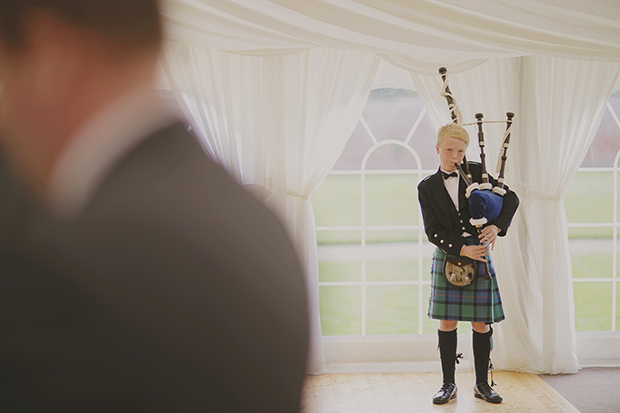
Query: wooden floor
{"x": 413, "y": 392}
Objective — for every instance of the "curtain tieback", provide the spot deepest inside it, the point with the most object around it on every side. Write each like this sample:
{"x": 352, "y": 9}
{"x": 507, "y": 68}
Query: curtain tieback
{"x": 273, "y": 191}
{"x": 531, "y": 196}
{"x": 290, "y": 192}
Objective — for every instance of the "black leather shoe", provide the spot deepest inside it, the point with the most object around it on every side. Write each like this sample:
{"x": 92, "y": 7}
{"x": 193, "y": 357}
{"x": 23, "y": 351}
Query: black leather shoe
{"x": 445, "y": 394}
{"x": 485, "y": 392}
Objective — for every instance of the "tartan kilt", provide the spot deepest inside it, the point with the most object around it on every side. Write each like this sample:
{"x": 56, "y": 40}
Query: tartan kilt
{"x": 480, "y": 301}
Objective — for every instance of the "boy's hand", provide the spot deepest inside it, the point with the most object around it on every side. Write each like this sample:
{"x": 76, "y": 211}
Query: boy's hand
{"x": 488, "y": 235}
{"x": 475, "y": 252}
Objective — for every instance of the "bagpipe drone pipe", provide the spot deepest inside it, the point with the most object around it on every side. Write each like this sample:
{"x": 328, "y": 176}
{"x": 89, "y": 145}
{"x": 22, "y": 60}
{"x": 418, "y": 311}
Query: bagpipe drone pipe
{"x": 485, "y": 201}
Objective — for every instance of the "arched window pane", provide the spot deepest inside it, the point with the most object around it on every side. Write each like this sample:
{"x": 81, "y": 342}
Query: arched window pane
{"x": 606, "y": 143}
{"x": 391, "y": 157}
{"x": 358, "y": 144}
{"x": 391, "y": 113}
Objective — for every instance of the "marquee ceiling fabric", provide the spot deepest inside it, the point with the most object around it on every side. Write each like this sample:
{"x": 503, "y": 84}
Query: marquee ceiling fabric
{"x": 424, "y": 29}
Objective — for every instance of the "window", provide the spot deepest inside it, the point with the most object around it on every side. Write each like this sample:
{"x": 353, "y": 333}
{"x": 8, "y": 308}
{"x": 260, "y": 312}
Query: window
{"x": 592, "y": 213}
{"x": 374, "y": 259}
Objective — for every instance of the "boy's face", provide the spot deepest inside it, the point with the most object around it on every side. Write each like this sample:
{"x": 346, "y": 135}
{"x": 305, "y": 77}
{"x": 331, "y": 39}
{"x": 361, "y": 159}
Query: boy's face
{"x": 451, "y": 153}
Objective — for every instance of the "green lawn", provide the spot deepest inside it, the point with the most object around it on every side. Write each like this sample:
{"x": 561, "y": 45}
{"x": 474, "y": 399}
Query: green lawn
{"x": 595, "y": 265}
{"x": 392, "y": 200}
{"x": 341, "y": 310}
{"x": 390, "y": 310}
{"x": 592, "y": 302}
{"x": 590, "y": 199}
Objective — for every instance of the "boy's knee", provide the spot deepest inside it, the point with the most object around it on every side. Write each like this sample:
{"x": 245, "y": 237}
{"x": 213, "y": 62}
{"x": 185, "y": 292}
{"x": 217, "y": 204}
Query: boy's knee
{"x": 448, "y": 325}
{"x": 480, "y": 327}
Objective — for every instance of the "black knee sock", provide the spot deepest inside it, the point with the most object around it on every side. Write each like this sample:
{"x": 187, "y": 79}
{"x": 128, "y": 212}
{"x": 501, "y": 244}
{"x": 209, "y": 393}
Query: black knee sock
{"x": 482, "y": 351}
{"x": 447, "y": 351}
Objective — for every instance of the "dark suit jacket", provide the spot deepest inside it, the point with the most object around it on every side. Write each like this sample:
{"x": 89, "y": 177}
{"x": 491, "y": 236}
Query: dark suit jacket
{"x": 173, "y": 291}
{"x": 443, "y": 224}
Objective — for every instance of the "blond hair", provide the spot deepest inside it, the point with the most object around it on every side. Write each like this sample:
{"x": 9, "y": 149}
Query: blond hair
{"x": 452, "y": 130}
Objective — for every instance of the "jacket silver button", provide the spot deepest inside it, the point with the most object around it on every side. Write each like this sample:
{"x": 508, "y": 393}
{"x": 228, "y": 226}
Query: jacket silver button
{"x": 441, "y": 241}
{"x": 449, "y": 245}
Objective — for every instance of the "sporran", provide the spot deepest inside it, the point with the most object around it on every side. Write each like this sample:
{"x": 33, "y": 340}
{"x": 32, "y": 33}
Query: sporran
{"x": 459, "y": 271}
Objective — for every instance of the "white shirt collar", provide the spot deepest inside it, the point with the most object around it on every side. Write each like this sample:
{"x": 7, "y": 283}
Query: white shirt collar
{"x": 452, "y": 186}
{"x": 449, "y": 172}
{"x": 99, "y": 145}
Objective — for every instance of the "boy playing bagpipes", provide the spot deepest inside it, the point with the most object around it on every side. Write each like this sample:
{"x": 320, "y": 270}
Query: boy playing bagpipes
{"x": 446, "y": 215}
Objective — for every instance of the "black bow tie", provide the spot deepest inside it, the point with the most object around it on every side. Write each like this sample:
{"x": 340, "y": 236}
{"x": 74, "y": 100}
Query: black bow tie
{"x": 450, "y": 175}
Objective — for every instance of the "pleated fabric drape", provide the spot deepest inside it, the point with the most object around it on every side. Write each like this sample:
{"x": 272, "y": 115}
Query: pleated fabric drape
{"x": 277, "y": 124}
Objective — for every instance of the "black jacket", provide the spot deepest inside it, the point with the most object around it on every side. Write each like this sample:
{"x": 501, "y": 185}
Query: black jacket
{"x": 173, "y": 291}
{"x": 443, "y": 224}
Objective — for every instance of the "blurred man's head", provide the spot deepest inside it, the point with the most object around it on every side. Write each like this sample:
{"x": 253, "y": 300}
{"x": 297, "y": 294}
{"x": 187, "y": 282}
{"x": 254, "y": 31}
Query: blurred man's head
{"x": 61, "y": 61}
{"x": 126, "y": 24}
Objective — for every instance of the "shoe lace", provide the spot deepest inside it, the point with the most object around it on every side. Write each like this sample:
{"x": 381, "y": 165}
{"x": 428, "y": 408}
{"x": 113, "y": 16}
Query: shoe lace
{"x": 444, "y": 387}
{"x": 484, "y": 387}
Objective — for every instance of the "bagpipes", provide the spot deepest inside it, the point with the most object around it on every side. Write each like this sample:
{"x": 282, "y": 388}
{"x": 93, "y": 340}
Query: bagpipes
{"x": 485, "y": 201}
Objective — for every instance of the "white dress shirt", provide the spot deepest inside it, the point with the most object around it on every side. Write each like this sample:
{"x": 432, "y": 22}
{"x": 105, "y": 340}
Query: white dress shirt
{"x": 452, "y": 186}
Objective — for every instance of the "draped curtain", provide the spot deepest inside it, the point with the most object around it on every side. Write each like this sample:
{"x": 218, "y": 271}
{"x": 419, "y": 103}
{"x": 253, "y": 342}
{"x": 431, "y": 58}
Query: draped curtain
{"x": 561, "y": 107}
{"x": 278, "y": 124}
{"x": 275, "y": 87}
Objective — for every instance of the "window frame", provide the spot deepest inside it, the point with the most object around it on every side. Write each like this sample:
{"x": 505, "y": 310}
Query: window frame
{"x": 363, "y": 172}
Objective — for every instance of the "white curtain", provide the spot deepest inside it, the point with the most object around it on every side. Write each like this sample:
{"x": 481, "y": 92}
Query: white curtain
{"x": 278, "y": 124}
{"x": 562, "y": 104}
{"x": 559, "y": 105}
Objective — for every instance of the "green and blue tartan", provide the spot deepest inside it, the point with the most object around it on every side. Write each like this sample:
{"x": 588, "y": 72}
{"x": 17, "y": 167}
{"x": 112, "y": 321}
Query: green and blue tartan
{"x": 480, "y": 301}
